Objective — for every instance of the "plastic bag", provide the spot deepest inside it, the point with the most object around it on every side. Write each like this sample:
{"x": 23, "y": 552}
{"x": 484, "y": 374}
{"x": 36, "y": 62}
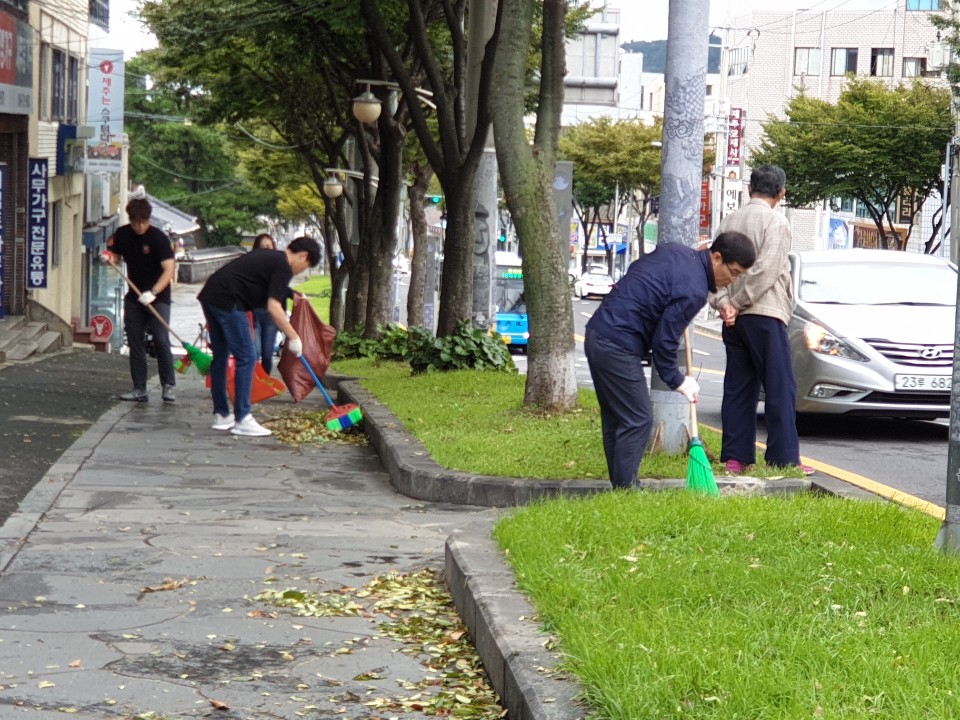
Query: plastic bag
{"x": 317, "y": 338}
{"x": 262, "y": 388}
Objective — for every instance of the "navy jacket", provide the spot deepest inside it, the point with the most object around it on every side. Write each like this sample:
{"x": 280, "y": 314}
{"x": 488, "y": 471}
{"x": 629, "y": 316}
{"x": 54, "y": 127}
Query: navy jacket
{"x": 654, "y": 302}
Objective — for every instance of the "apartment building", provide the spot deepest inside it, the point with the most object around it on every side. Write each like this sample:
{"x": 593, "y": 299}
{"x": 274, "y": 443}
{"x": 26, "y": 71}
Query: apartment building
{"x": 770, "y": 56}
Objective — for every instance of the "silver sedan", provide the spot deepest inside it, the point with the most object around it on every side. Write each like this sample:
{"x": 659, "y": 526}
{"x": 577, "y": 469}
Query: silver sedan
{"x": 872, "y": 332}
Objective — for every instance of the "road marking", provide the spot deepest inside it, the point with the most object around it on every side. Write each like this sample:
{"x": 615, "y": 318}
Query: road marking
{"x": 864, "y": 483}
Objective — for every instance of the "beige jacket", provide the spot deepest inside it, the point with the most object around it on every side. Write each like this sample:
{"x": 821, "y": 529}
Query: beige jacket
{"x": 766, "y": 288}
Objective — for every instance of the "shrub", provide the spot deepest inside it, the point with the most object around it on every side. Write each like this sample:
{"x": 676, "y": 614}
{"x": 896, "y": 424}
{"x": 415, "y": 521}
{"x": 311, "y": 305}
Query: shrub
{"x": 467, "y": 349}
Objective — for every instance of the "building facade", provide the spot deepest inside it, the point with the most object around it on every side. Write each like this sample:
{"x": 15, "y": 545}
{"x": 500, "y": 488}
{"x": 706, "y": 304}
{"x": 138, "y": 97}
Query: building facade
{"x": 771, "y": 56}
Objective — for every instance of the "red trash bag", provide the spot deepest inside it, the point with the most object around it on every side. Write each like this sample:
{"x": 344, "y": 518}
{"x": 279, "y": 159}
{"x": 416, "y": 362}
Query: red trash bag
{"x": 317, "y": 338}
{"x": 263, "y": 387}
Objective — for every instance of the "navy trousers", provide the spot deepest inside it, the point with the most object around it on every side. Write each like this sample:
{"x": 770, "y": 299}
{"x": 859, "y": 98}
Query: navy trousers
{"x": 625, "y": 413}
{"x": 758, "y": 354}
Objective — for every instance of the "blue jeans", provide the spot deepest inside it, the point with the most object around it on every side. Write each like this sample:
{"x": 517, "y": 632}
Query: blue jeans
{"x": 230, "y": 334}
{"x": 264, "y": 337}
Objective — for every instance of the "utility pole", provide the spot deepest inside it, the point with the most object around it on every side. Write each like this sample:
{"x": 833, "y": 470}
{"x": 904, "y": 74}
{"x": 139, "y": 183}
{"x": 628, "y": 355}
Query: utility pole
{"x": 948, "y": 539}
{"x": 482, "y": 18}
{"x": 681, "y": 176}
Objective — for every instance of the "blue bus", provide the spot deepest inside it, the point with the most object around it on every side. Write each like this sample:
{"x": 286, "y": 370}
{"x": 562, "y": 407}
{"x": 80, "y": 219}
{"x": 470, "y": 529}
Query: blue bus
{"x": 511, "y": 319}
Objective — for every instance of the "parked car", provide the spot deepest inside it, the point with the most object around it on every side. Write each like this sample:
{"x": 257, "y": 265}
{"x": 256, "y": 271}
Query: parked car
{"x": 872, "y": 332}
{"x": 593, "y": 284}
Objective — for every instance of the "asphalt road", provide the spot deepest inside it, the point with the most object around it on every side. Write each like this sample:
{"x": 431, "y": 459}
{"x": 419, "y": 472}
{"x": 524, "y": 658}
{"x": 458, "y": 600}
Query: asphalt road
{"x": 46, "y": 405}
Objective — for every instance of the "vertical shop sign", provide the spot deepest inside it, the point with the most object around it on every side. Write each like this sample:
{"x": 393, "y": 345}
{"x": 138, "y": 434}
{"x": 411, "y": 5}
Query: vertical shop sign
{"x": 105, "y": 111}
{"x": 705, "y": 205}
{"x": 38, "y": 225}
{"x": 735, "y": 137}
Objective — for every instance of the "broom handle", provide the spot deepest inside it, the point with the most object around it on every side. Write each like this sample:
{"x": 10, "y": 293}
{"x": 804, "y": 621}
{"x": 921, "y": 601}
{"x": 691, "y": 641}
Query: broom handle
{"x": 317, "y": 381}
{"x": 694, "y": 431}
{"x": 150, "y": 307}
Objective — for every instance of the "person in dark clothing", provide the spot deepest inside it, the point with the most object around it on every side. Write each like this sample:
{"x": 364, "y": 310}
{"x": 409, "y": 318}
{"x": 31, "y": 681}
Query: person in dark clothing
{"x": 648, "y": 310}
{"x": 264, "y": 329}
{"x": 148, "y": 254}
{"x": 259, "y": 279}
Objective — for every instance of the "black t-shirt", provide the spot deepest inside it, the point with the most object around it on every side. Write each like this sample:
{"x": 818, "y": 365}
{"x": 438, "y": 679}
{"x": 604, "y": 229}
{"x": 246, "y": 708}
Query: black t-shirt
{"x": 247, "y": 282}
{"x": 143, "y": 255}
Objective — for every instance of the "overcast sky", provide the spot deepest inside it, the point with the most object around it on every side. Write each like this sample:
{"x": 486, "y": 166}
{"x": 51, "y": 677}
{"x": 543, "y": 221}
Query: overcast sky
{"x": 640, "y": 19}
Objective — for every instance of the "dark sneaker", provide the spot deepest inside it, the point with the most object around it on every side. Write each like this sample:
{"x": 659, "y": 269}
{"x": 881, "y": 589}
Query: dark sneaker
{"x": 168, "y": 395}
{"x": 135, "y": 396}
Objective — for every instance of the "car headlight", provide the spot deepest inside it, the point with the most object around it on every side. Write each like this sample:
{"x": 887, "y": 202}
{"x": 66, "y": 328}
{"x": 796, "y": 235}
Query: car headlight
{"x": 821, "y": 341}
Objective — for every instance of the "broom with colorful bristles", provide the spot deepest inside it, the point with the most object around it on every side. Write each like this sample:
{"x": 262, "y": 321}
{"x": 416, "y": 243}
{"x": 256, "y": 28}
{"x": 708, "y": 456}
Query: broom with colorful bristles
{"x": 340, "y": 417}
{"x": 699, "y": 473}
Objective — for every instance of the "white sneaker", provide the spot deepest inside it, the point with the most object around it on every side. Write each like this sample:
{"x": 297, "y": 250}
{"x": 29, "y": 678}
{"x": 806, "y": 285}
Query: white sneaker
{"x": 223, "y": 422}
{"x": 249, "y": 427}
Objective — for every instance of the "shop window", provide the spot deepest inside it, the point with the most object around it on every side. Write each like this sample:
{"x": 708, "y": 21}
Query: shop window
{"x": 806, "y": 61}
{"x": 914, "y": 67}
{"x": 73, "y": 90}
{"x": 843, "y": 61}
{"x": 737, "y": 60}
{"x": 56, "y": 215}
{"x": 881, "y": 62}
{"x": 58, "y": 85}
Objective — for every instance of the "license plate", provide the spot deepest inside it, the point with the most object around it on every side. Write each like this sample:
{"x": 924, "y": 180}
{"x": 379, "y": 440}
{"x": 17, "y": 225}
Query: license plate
{"x": 936, "y": 383}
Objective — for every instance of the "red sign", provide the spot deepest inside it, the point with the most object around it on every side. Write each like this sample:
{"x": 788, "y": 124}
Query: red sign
{"x": 735, "y": 136}
{"x": 705, "y": 205}
{"x": 101, "y": 327}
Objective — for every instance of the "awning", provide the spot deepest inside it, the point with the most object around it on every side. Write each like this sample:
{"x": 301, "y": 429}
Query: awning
{"x": 170, "y": 220}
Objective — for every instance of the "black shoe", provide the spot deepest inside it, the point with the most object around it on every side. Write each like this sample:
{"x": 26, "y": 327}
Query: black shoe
{"x": 135, "y": 396}
{"x": 168, "y": 395}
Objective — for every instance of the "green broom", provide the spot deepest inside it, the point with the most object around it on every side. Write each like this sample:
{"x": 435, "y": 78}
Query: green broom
{"x": 198, "y": 357}
{"x": 699, "y": 473}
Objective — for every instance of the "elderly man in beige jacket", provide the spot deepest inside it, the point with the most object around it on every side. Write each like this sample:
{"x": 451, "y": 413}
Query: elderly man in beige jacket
{"x": 755, "y": 314}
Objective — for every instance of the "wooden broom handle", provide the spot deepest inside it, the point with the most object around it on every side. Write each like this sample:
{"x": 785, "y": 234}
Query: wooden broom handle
{"x": 694, "y": 430}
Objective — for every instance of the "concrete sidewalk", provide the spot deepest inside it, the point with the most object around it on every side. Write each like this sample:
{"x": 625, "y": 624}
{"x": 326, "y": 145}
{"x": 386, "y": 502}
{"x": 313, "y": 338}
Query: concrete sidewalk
{"x": 129, "y": 575}
{"x": 150, "y": 494}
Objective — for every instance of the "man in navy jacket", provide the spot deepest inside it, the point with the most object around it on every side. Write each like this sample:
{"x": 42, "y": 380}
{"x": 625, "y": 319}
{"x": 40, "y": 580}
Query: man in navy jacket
{"x": 648, "y": 310}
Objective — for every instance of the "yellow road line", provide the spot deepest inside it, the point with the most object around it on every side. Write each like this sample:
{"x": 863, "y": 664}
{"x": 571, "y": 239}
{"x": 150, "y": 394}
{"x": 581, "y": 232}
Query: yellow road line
{"x": 864, "y": 483}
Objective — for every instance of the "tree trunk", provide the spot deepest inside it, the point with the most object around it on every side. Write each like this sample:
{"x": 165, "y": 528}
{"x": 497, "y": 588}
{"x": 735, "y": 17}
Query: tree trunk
{"x": 528, "y": 173}
{"x": 383, "y": 241}
{"x": 456, "y": 282}
{"x": 418, "y": 225}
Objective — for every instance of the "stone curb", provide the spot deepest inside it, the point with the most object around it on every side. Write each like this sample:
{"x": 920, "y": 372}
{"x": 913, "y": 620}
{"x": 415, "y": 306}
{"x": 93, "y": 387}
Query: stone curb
{"x": 507, "y": 638}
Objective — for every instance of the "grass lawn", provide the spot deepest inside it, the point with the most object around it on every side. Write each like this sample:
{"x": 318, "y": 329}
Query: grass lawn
{"x": 672, "y": 605}
{"x": 317, "y": 290}
{"x": 475, "y": 422}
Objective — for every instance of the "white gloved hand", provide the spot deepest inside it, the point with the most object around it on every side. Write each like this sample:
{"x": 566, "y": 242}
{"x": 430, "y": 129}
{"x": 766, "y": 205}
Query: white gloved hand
{"x": 295, "y": 346}
{"x": 147, "y": 297}
{"x": 689, "y": 388}
{"x": 106, "y": 257}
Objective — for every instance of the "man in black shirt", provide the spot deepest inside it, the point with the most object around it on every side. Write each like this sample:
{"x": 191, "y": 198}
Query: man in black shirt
{"x": 259, "y": 279}
{"x": 148, "y": 253}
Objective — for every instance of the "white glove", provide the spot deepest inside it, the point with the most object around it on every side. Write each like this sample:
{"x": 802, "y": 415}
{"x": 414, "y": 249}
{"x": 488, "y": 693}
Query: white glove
{"x": 147, "y": 297}
{"x": 295, "y": 346}
{"x": 689, "y": 388}
{"x": 106, "y": 257}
